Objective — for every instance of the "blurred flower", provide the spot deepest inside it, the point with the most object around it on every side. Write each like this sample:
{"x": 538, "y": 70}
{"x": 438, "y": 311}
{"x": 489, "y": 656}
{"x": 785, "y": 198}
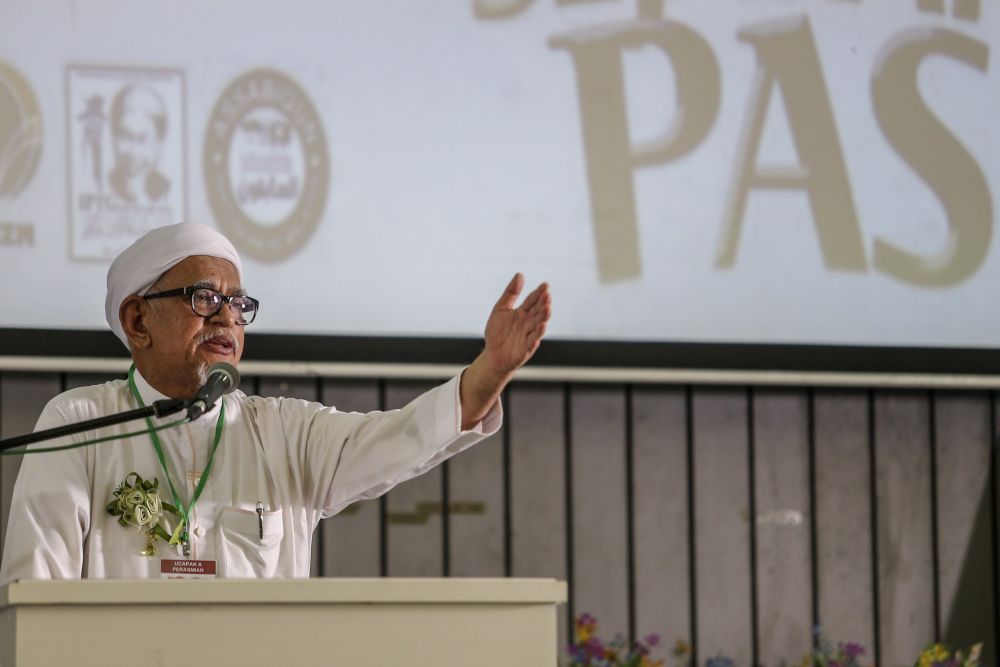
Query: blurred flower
{"x": 588, "y": 650}
{"x": 932, "y": 655}
{"x": 939, "y": 655}
{"x": 592, "y": 652}
{"x": 852, "y": 650}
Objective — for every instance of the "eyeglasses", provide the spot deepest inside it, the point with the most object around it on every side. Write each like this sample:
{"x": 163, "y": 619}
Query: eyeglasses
{"x": 207, "y": 302}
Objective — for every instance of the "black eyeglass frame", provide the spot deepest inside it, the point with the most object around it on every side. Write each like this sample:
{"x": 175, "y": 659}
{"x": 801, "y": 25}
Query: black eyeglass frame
{"x": 226, "y": 300}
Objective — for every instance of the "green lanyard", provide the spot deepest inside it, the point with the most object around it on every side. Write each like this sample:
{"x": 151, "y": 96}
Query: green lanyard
{"x": 180, "y": 535}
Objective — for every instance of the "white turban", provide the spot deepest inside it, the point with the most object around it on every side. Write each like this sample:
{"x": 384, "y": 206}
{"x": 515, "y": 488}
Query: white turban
{"x": 141, "y": 264}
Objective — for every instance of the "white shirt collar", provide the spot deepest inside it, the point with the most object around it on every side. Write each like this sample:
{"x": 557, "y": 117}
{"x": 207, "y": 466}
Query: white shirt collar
{"x": 146, "y": 391}
{"x": 149, "y": 395}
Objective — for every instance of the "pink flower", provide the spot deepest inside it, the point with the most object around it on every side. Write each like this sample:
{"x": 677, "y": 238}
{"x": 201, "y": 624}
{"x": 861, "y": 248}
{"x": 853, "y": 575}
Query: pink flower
{"x": 595, "y": 646}
{"x": 852, "y": 650}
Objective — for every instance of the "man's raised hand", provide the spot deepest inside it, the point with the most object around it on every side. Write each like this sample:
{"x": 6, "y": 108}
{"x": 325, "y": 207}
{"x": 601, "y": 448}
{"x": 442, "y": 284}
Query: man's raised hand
{"x": 513, "y": 333}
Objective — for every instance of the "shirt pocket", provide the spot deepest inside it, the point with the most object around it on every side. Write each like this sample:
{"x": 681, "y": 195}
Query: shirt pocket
{"x": 246, "y": 554}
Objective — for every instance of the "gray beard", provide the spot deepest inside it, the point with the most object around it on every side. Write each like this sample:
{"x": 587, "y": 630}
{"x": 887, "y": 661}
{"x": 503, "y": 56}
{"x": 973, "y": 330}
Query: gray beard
{"x": 202, "y": 372}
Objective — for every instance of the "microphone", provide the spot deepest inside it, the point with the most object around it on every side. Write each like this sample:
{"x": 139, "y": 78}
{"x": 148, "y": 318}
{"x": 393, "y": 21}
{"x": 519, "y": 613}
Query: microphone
{"x": 222, "y": 379}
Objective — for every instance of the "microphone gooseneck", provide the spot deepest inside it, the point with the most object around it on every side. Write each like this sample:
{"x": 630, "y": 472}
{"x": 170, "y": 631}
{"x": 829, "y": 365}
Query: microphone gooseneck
{"x": 222, "y": 379}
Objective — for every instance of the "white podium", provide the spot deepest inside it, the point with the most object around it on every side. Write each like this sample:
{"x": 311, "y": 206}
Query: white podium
{"x": 364, "y": 622}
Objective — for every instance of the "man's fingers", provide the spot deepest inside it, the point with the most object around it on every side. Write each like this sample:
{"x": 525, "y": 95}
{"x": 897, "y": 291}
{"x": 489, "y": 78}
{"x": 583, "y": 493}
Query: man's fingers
{"x": 532, "y": 298}
{"x": 536, "y": 334}
{"x": 540, "y": 294}
{"x": 508, "y": 299}
{"x": 540, "y": 314}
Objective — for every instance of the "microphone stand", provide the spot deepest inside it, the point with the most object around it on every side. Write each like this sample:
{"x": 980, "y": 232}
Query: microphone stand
{"x": 161, "y": 408}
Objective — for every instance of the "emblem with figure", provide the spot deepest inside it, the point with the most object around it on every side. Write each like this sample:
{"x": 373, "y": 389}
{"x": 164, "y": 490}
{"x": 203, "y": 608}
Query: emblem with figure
{"x": 126, "y": 155}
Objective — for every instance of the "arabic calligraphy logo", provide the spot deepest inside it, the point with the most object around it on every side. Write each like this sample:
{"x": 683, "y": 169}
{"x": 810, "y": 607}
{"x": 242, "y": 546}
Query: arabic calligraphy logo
{"x": 20, "y": 132}
{"x": 266, "y": 165}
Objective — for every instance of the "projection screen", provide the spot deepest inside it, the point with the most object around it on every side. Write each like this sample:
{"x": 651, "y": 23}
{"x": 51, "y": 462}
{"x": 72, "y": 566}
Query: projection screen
{"x": 774, "y": 172}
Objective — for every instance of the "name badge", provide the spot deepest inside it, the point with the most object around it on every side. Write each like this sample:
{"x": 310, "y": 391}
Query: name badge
{"x": 187, "y": 569}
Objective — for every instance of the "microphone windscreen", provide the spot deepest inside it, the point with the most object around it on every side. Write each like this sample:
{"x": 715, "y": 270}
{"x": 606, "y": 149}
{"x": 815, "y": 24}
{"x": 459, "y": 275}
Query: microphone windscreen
{"x": 232, "y": 375}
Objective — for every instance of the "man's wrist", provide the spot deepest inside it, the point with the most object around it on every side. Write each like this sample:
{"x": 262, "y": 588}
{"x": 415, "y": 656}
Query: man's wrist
{"x": 480, "y": 386}
{"x": 489, "y": 375}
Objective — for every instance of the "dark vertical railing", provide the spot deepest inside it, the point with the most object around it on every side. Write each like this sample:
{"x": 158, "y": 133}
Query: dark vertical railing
{"x": 873, "y": 509}
{"x": 935, "y": 551}
{"x": 568, "y": 475}
{"x": 445, "y": 522}
{"x": 3, "y": 530}
{"x": 630, "y": 510}
{"x": 508, "y": 547}
{"x": 321, "y": 529}
{"x": 992, "y": 430}
{"x": 692, "y": 547}
{"x": 813, "y": 513}
{"x": 752, "y": 493}
{"x": 383, "y": 509}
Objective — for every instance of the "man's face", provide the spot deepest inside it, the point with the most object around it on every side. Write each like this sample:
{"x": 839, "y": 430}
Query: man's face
{"x": 137, "y": 144}
{"x": 185, "y": 344}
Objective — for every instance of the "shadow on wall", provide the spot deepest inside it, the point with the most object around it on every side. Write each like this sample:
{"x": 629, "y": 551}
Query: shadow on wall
{"x": 972, "y": 617}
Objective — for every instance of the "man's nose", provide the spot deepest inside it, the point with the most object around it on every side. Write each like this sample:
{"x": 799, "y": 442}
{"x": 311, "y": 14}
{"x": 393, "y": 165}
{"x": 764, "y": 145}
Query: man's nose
{"x": 227, "y": 315}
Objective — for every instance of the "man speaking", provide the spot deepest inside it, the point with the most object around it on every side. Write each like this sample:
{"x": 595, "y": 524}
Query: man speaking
{"x": 239, "y": 491}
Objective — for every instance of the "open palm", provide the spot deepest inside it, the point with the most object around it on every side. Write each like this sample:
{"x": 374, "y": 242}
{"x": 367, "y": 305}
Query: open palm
{"x": 514, "y": 333}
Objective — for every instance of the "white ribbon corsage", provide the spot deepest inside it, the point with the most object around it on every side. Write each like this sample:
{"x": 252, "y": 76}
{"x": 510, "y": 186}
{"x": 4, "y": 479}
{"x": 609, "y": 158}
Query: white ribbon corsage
{"x": 136, "y": 502}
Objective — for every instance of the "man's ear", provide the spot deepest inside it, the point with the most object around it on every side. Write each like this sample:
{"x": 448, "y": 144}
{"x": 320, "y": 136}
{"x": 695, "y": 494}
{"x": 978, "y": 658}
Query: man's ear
{"x": 132, "y": 314}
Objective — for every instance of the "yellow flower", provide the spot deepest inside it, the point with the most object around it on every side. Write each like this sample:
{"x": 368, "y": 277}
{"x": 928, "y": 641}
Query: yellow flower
{"x": 584, "y": 632}
{"x": 681, "y": 648}
{"x": 932, "y": 654}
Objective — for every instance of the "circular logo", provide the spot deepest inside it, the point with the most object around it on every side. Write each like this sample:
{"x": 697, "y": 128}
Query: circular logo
{"x": 266, "y": 165}
{"x": 20, "y": 132}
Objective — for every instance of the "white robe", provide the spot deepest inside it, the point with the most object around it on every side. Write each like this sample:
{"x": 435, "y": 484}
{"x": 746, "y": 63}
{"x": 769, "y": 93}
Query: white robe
{"x": 302, "y": 460}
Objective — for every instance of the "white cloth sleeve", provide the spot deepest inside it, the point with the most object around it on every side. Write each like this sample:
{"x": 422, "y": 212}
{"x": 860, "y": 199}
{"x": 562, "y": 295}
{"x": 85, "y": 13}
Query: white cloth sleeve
{"x": 352, "y": 456}
{"x": 50, "y": 510}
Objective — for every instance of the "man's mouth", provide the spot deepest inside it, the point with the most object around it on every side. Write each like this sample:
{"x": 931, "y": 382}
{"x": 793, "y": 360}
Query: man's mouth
{"x": 222, "y": 345}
